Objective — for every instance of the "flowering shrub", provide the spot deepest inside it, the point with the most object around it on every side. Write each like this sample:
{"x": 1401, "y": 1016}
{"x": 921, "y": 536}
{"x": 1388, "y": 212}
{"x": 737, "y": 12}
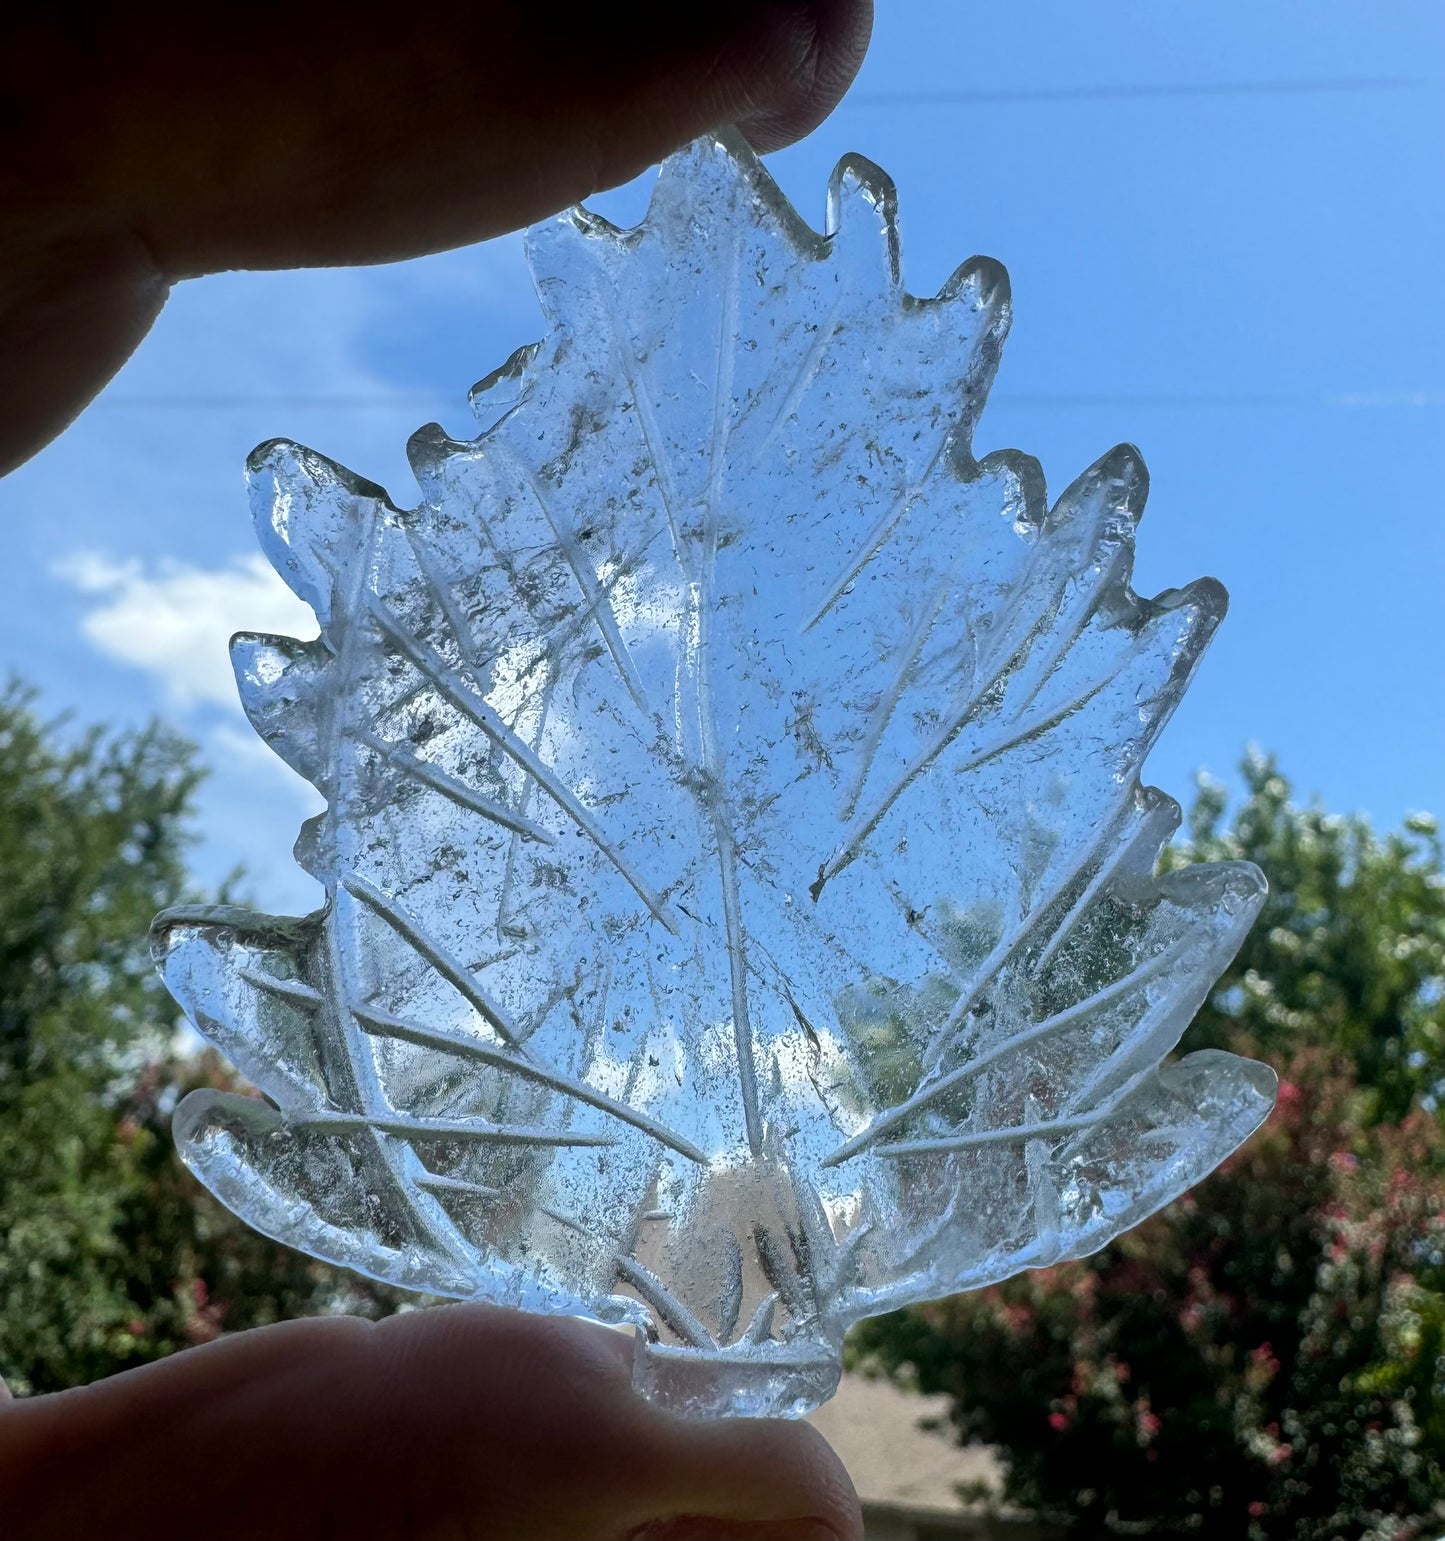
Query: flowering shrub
{"x": 1266, "y": 1358}
{"x": 110, "y": 1252}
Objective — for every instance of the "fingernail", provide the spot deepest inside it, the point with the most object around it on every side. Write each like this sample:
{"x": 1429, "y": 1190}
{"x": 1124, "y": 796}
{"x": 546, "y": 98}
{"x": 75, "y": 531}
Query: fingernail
{"x": 712, "y": 1527}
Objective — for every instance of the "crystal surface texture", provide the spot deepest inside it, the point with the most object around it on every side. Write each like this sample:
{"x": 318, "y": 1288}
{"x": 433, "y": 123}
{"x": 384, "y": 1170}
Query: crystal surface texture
{"x": 741, "y": 905}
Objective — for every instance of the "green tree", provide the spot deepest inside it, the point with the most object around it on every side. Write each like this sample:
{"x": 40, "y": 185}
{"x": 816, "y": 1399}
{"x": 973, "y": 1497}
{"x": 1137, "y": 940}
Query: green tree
{"x": 110, "y": 1254}
{"x": 1266, "y": 1358}
{"x": 1349, "y": 952}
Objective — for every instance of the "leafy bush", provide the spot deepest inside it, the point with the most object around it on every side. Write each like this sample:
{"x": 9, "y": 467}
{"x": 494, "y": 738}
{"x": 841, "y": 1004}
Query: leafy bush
{"x": 1266, "y": 1358}
{"x": 1348, "y": 954}
{"x": 110, "y": 1253}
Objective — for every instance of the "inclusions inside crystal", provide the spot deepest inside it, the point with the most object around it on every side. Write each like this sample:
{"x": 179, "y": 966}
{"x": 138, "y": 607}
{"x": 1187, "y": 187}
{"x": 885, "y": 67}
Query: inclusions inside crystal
{"x": 741, "y": 906}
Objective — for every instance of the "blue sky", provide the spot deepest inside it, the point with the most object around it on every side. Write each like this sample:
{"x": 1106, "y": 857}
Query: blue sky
{"x": 1243, "y": 282}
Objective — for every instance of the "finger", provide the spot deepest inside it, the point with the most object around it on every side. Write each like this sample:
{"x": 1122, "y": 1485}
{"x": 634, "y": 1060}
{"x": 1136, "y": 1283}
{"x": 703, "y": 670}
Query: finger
{"x": 166, "y": 141}
{"x": 821, "y": 55}
{"x": 459, "y": 1421}
{"x": 377, "y": 133}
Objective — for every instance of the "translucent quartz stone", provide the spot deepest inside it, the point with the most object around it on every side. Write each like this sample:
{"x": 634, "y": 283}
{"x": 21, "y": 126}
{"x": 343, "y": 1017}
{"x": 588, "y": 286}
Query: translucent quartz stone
{"x": 741, "y": 904}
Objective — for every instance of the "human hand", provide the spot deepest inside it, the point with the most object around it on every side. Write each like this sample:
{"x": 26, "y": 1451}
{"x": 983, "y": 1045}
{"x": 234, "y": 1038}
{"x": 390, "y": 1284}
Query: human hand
{"x": 144, "y": 144}
{"x": 458, "y": 1421}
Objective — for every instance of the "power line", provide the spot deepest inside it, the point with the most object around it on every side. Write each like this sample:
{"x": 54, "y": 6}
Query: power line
{"x": 1122, "y": 93}
{"x": 1334, "y": 401}
{"x": 1330, "y": 400}
{"x": 235, "y": 403}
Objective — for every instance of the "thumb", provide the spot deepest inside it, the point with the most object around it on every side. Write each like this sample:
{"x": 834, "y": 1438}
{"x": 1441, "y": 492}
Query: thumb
{"x": 450, "y": 1422}
{"x": 146, "y": 143}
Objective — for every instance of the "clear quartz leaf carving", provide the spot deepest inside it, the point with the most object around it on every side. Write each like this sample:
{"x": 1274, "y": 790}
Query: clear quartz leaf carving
{"x": 741, "y": 902}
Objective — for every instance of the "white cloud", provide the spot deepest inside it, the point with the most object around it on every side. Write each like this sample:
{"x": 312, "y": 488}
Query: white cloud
{"x": 241, "y": 750}
{"x": 254, "y": 803}
{"x": 175, "y": 621}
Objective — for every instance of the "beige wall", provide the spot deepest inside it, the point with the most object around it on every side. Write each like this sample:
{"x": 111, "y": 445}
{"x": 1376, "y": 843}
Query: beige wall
{"x": 908, "y": 1474}
{"x": 911, "y": 1522}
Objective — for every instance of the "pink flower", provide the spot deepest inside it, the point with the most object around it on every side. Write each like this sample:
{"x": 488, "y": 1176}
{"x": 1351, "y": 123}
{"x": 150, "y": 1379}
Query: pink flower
{"x": 1058, "y": 1423}
{"x": 1289, "y": 1094}
{"x": 1263, "y": 1357}
{"x": 1257, "y": 1510}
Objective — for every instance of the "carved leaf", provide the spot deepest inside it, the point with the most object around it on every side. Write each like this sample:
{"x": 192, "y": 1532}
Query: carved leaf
{"x": 741, "y": 913}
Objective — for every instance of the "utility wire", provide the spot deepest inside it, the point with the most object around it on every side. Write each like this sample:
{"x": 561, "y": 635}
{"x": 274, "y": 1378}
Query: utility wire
{"x": 234, "y": 403}
{"x": 1330, "y": 400}
{"x": 1123, "y": 93}
{"x": 1002, "y": 97}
